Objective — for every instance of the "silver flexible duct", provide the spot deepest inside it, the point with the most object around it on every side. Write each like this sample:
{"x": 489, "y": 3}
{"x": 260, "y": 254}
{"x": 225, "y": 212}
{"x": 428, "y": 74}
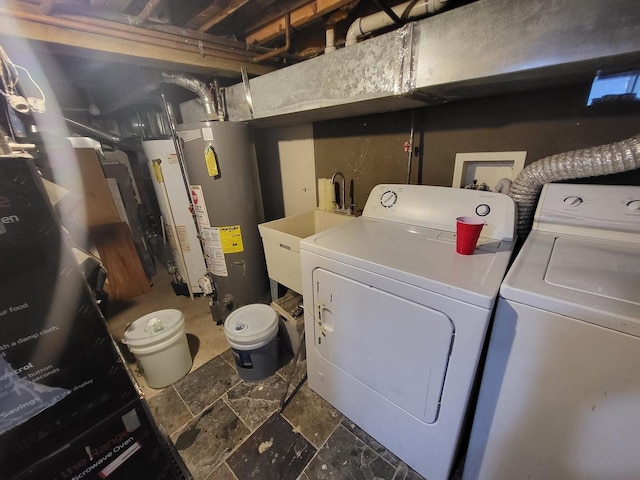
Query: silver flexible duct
{"x": 606, "y": 159}
{"x": 196, "y": 86}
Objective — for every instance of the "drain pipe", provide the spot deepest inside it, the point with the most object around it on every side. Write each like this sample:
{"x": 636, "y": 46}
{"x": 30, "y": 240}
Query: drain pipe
{"x": 406, "y": 11}
{"x": 196, "y": 86}
{"x": 617, "y": 157}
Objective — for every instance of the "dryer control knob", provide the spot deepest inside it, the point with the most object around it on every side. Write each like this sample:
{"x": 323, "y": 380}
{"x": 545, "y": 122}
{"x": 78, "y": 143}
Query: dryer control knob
{"x": 388, "y": 199}
{"x": 573, "y": 201}
{"x": 634, "y": 205}
{"x": 483, "y": 210}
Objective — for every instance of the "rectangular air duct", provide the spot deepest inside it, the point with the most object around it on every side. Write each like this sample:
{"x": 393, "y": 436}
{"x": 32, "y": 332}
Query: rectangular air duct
{"x": 484, "y": 48}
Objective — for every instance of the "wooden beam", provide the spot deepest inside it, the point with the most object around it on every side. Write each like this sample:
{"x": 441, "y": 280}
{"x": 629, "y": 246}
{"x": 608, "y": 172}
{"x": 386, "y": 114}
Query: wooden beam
{"x": 213, "y": 14}
{"x": 46, "y": 6}
{"x": 148, "y": 9}
{"x": 143, "y": 49}
{"x": 118, "y": 5}
{"x": 299, "y": 17}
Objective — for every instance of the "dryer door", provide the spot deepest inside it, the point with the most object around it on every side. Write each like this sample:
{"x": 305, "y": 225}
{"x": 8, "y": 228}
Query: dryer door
{"x": 398, "y": 348}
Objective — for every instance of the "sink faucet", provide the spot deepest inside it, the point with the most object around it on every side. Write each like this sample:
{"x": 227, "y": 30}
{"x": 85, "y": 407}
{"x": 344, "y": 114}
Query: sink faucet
{"x": 340, "y": 204}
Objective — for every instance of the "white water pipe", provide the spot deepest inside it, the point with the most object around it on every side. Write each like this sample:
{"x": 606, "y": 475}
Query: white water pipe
{"x": 330, "y": 40}
{"x": 406, "y": 11}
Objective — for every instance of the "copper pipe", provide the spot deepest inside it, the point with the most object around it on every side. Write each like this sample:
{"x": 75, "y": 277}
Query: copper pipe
{"x": 278, "y": 51}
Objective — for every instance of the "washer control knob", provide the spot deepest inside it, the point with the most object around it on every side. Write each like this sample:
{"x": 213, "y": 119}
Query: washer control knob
{"x": 483, "y": 210}
{"x": 573, "y": 201}
{"x": 388, "y": 199}
{"x": 634, "y": 205}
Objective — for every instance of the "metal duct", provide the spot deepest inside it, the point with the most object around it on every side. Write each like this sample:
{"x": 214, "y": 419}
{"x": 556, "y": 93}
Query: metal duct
{"x": 615, "y": 157}
{"x": 196, "y": 86}
{"x": 486, "y": 47}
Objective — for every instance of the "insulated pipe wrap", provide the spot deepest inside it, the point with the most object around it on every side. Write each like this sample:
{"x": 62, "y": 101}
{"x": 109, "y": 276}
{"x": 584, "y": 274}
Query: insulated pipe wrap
{"x": 596, "y": 161}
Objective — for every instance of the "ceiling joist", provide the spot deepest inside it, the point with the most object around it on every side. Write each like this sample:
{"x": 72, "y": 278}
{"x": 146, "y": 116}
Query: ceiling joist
{"x": 214, "y": 14}
{"x": 298, "y": 17}
{"x": 119, "y": 40}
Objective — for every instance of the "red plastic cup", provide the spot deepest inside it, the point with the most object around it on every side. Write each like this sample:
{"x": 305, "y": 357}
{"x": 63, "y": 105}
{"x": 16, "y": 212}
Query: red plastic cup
{"x": 467, "y": 233}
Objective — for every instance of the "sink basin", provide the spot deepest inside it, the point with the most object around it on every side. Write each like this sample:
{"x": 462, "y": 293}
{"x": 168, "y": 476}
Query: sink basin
{"x": 281, "y": 241}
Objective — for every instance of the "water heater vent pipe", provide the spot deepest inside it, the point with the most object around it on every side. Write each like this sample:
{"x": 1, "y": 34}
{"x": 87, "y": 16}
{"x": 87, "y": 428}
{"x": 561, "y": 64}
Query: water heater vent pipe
{"x": 196, "y": 86}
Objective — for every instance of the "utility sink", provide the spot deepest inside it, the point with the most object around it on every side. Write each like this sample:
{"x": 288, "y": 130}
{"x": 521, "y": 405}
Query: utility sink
{"x": 281, "y": 241}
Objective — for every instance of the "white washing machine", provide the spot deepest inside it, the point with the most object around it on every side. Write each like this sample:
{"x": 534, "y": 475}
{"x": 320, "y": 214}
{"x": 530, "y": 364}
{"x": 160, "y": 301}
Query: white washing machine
{"x": 395, "y": 319}
{"x": 560, "y": 393}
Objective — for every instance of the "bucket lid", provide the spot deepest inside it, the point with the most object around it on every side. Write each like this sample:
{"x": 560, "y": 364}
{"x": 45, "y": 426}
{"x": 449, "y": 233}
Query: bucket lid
{"x": 153, "y": 327}
{"x": 251, "y": 326}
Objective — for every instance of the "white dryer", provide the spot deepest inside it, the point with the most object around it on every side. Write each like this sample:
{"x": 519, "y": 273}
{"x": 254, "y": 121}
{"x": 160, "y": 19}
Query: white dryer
{"x": 560, "y": 393}
{"x": 395, "y": 319}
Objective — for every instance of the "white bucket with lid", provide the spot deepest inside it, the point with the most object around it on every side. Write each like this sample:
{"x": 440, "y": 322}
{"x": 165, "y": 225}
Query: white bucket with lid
{"x": 159, "y": 342}
{"x": 252, "y": 330}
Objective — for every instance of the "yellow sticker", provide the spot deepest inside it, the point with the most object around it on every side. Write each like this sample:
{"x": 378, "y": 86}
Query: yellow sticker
{"x": 231, "y": 239}
{"x": 157, "y": 171}
{"x": 212, "y": 162}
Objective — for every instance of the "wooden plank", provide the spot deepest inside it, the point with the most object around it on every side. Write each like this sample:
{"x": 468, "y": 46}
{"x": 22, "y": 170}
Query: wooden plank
{"x": 117, "y": 49}
{"x": 148, "y": 9}
{"x": 125, "y": 275}
{"x": 99, "y": 206}
{"x": 213, "y": 14}
{"x": 299, "y": 17}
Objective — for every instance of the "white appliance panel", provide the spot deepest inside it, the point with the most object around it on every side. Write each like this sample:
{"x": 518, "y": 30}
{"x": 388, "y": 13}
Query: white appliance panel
{"x": 608, "y": 211}
{"x": 174, "y": 206}
{"x": 429, "y": 448}
{"x": 398, "y": 348}
{"x": 421, "y": 256}
{"x": 395, "y": 319}
{"x": 526, "y": 282}
{"x": 559, "y": 400}
{"x": 560, "y": 388}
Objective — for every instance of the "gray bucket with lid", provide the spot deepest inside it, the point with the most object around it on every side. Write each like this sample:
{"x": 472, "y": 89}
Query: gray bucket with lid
{"x": 252, "y": 332}
{"x": 158, "y": 340}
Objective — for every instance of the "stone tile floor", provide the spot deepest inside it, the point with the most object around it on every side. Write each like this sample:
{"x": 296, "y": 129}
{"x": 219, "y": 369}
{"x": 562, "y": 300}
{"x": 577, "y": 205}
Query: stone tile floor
{"x": 227, "y": 429}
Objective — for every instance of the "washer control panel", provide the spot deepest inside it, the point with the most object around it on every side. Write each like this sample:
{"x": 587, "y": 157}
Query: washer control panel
{"x": 609, "y": 207}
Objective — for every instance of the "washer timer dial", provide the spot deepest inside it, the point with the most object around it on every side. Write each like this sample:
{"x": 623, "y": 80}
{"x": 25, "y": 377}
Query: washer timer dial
{"x": 573, "y": 201}
{"x": 388, "y": 199}
{"x": 634, "y": 205}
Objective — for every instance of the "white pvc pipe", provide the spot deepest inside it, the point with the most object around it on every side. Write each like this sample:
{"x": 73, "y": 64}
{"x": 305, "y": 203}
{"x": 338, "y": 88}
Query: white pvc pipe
{"x": 330, "y": 42}
{"x": 406, "y": 11}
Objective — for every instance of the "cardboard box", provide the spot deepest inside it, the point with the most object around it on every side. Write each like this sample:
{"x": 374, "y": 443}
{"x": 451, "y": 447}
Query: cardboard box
{"x": 124, "y": 446}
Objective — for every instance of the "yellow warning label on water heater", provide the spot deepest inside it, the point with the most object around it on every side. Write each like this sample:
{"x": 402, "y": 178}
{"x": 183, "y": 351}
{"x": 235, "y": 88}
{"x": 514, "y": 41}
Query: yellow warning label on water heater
{"x": 211, "y": 161}
{"x": 231, "y": 239}
{"x": 157, "y": 171}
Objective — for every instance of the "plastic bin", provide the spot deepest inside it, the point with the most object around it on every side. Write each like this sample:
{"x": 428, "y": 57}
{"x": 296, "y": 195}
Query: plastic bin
{"x": 252, "y": 332}
{"x": 159, "y": 342}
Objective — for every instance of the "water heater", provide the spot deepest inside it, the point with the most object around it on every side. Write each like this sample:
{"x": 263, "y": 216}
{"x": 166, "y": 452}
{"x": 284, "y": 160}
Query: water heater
{"x": 225, "y": 194}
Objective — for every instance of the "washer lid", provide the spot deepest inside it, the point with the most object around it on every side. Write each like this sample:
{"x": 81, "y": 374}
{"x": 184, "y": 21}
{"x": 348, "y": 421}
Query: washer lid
{"x": 153, "y": 326}
{"x": 592, "y": 280}
{"x": 251, "y": 324}
{"x": 609, "y": 270}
